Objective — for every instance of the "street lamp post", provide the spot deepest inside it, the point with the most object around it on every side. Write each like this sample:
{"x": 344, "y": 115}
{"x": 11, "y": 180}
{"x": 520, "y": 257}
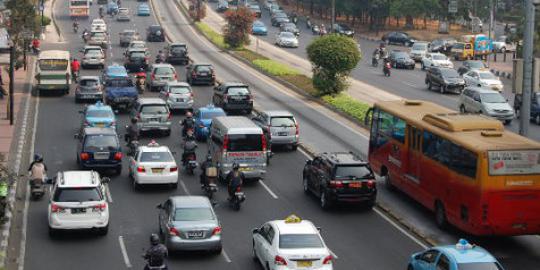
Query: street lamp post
{"x": 42, "y": 9}
{"x": 333, "y": 16}
{"x": 11, "y": 83}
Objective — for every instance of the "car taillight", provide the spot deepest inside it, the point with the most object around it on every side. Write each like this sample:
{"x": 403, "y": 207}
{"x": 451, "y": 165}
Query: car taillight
{"x": 297, "y": 129}
{"x": 138, "y": 116}
{"x": 174, "y": 169}
{"x": 191, "y": 94}
{"x": 167, "y": 94}
{"x": 86, "y": 123}
{"x": 225, "y": 142}
{"x": 216, "y": 231}
{"x": 140, "y": 169}
{"x": 263, "y": 139}
{"x": 113, "y": 123}
{"x": 225, "y": 98}
{"x": 174, "y": 232}
{"x": 175, "y": 76}
{"x": 85, "y": 156}
{"x": 250, "y": 97}
{"x": 238, "y": 189}
{"x": 118, "y": 156}
{"x": 55, "y": 208}
{"x": 328, "y": 259}
{"x": 170, "y": 116}
{"x": 336, "y": 184}
{"x": 278, "y": 260}
{"x": 213, "y": 74}
{"x": 153, "y": 76}
{"x": 370, "y": 183}
{"x": 100, "y": 207}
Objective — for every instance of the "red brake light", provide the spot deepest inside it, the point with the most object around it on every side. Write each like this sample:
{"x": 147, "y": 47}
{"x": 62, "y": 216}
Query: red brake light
{"x": 118, "y": 156}
{"x": 138, "y": 116}
{"x": 297, "y": 129}
{"x": 191, "y": 94}
{"x": 85, "y": 156}
{"x": 175, "y": 76}
{"x": 167, "y": 94}
{"x": 55, "y": 208}
{"x": 328, "y": 259}
{"x": 238, "y": 189}
{"x": 263, "y": 139}
{"x": 216, "y": 231}
{"x": 278, "y": 260}
{"x": 250, "y": 97}
{"x": 153, "y": 76}
{"x": 174, "y": 169}
{"x": 174, "y": 232}
{"x": 371, "y": 183}
{"x": 225, "y": 98}
{"x": 336, "y": 184}
{"x": 101, "y": 207}
{"x": 140, "y": 169}
{"x": 269, "y": 132}
{"x": 225, "y": 142}
{"x": 170, "y": 116}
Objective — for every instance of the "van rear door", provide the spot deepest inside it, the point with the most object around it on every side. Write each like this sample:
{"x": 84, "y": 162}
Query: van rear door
{"x": 248, "y": 150}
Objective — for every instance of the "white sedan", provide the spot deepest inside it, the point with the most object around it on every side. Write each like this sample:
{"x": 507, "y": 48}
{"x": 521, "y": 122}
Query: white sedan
{"x": 153, "y": 164}
{"x": 436, "y": 60}
{"x": 483, "y": 78}
{"x": 98, "y": 25}
{"x": 287, "y": 39}
{"x": 291, "y": 244}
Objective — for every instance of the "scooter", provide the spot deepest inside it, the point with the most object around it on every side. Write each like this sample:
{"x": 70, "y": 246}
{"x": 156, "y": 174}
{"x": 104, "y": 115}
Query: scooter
{"x": 315, "y": 29}
{"x": 322, "y": 31}
{"x": 308, "y": 24}
{"x": 132, "y": 145}
{"x": 237, "y": 199}
{"x": 37, "y": 187}
{"x": 210, "y": 187}
{"x": 75, "y": 28}
{"x": 386, "y": 69}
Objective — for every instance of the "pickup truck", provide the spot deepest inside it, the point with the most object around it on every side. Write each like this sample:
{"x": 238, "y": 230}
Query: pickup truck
{"x": 120, "y": 91}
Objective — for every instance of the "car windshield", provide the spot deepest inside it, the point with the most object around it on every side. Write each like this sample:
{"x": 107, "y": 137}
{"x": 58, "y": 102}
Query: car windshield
{"x": 121, "y": 82}
{"x": 438, "y": 57}
{"x": 293, "y": 241}
{"x": 419, "y": 46}
{"x": 53, "y": 64}
{"x": 287, "y": 35}
{"x": 401, "y": 55}
{"x": 449, "y": 73}
{"x": 99, "y": 114}
{"x": 244, "y": 142}
{"x": 83, "y": 194}
{"x": 178, "y": 49}
{"x": 156, "y": 157}
{"x": 164, "y": 71}
{"x": 479, "y": 266}
{"x": 476, "y": 64}
{"x": 212, "y": 114}
{"x": 100, "y": 142}
{"x": 237, "y": 91}
{"x": 487, "y": 76}
{"x": 459, "y": 45}
{"x": 88, "y": 83}
{"x": 137, "y": 55}
{"x": 193, "y": 214}
{"x": 203, "y": 69}
{"x": 138, "y": 45}
{"x": 282, "y": 122}
{"x": 154, "y": 109}
{"x": 353, "y": 171}
{"x": 179, "y": 90}
{"x": 492, "y": 98}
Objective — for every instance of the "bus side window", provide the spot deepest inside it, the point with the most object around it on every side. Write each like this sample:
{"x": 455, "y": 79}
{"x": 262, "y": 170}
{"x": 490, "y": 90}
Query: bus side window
{"x": 392, "y": 126}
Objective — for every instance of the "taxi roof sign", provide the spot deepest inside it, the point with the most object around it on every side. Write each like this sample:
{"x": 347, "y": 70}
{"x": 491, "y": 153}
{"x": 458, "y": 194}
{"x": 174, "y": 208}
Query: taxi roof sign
{"x": 293, "y": 219}
{"x": 463, "y": 244}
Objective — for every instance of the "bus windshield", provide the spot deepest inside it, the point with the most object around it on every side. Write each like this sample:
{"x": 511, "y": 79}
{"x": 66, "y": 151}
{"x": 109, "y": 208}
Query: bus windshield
{"x": 79, "y": 3}
{"x": 53, "y": 64}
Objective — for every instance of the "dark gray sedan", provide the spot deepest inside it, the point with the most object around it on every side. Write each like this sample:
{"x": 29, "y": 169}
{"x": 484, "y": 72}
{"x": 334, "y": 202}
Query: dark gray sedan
{"x": 89, "y": 89}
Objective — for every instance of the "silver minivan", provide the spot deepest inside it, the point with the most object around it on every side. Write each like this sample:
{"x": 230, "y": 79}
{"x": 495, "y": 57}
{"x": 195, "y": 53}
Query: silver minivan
{"x": 159, "y": 75}
{"x": 152, "y": 114}
{"x": 238, "y": 139}
{"x": 178, "y": 95}
{"x": 486, "y": 101}
{"x": 280, "y": 128}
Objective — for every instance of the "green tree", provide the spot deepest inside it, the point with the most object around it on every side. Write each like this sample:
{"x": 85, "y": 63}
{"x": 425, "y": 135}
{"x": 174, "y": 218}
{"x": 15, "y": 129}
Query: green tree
{"x": 236, "y": 31}
{"x": 333, "y": 57}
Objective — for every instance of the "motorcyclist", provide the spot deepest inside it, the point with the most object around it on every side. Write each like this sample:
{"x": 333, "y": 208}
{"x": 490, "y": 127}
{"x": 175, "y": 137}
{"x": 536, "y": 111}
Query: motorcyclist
{"x": 375, "y": 57}
{"x": 140, "y": 80}
{"x": 133, "y": 131}
{"x": 308, "y": 22}
{"x": 187, "y": 123}
{"x": 382, "y": 51}
{"x": 160, "y": 57}
{"x": 322, "y": 30}
{"x": 37, "y": 169}
{"x": 35, "y": 45}
{"x": 85, "y": 35}
{"x": 75, "y": 67}
{"x": 206, "y": 164}
{"x": 156, "y": 254}
{"x": 234, "y": 179}
{"x": 75, "y": 25}
{"x": 189, "y": 149}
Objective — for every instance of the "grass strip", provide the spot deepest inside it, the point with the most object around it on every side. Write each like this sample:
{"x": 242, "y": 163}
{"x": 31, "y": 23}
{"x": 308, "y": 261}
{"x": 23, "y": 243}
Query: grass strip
{"x": 274, "y": 68}
{"x": 212, "y": 35}
{"x": 250, "y": 55}
{"x": 345, "y": 103}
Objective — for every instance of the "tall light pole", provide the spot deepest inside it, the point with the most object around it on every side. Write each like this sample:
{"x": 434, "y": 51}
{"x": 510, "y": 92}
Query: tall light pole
{"x": 333, "y": 16}
{"x": 528, "y": 35}
{"x": 11, "y": 78}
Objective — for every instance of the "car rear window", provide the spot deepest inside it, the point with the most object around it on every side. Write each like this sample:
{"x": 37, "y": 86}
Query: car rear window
{"x": 212, "y": 114}
{"x": 203, "y": 69}
{"x": 293, "y": 241}
{"x": 449, "y": 73}
{"x": 100, "y": 113}
{"x": 282, "y": 122}
{"x": 179, "y": 90}
{"x": 193, "y": 214}
{"x": 77, "y": 194}
{"x": 439, "y": 57}
{"x": 401, "y": 55}
{"x": 479, "y": 266}
{"x": 128, "y": 34}
{"x": 137, "y": 45}
{"x": 98, "y": 34}
{"x": 156, "y": 157}
{"x": 164, "y": 71}
{"x": 100, "y": 143}
{"x": 137, "y": 55}
{"x": 122, "y": 82}
{"x": 178, "y": 49}
{"x": 487, "y": 76}
{"x": 154, "y": 109}
{"x": 237, "y": 91}
{"x": 245, "y": 142}
{"x": 89, "y": 83}
{"x": 93, "y": 52}
{"x": 353, "y": 171}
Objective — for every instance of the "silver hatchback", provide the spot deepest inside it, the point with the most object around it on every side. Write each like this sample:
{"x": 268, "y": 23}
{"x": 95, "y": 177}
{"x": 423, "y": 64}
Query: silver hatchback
{"x": 153, "y": 115}
{"x": 177, "y": 95}
{"x": 189, "y": 223}
{"x": 280, "y": 127}
{"x": 160, "y": 74}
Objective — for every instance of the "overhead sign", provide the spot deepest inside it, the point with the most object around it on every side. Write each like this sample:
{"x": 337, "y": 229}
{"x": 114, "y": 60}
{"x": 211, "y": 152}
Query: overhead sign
{"x": 452, "y": 6}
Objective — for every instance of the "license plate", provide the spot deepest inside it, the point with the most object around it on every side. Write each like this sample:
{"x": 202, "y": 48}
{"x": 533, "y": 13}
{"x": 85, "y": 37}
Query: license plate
{"x": 153, "y": 120}
{"x": 78, "y": 210}
{"x": 304, "y": 263}
{"x": 101, "y": 155}
{"x": 203, "y": 74}
{"x": 180, "y": 100}
{"x": 355, "y": 185}
{"x": 197, "y": 234}
{"x": 100, "y": 125}
{"x": 283, "y": 133}
{"x": 244, "y": 169}
{"x": 157, "y": 170}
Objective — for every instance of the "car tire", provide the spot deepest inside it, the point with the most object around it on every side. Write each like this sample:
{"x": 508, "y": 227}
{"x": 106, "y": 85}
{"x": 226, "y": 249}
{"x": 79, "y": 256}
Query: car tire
{"x": 294, "y": 147}
{"x": 77, "y": 101}
{"x": 410, "y": 267}
{"x": 174, "y": 185}
{"x": 167, "y": 133}
{"x": 440, "y": 216}
{"x": 503, "y": 50}
{"x": 118, "y": 170}
{"x": 305, "y": 185}
{"x": 388, "y": 182}
{"x": 507, "y": 122}
{"x": 442, "y": 89}
{"x": 136, "y": 186}
{"x": 324, "y": 202}
{"x": 370, "y": 204}
{"x": 462, "y": 109}
{"x": 103, "y": 231}
{"x": 253, "y": 252}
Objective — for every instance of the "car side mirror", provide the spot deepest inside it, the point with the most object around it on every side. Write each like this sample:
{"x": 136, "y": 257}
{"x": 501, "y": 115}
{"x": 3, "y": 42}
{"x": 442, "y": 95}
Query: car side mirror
{"x": 174, "y": 153}
{"x": 476, "y": 99}
{"x": 256, "y": 230}
{"x": 417, "y": 257}
{"x": 159, "y": 206}
{"x": 105, "y": 180}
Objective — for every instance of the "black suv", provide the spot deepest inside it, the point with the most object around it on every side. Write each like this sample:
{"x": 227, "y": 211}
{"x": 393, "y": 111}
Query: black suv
{"x": 233, "y": 96}
{"x": 340, "y": 177}
{"x": 400, "y": 59}
{"x": 399, "y": 38}
{"x": 447, "y": 79}
{"x": 99, "y": 148}
{"x": 155, "y": 33}
{"x": 200, "y": 73}
{"x": 343, "y": 29}
{"x": 177, "y": 53}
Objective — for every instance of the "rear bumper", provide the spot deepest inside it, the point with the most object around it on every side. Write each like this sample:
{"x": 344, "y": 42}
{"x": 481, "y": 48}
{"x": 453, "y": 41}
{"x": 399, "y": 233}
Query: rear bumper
{"x": 180, "y": 105}
{"x": 91, "y": 96}
{"x": 99, "y": 222}
{"x": 95, "y": 165}
{"x": 203, "y": 80}
{"x": 284, "y": 140}
{"x": 351, "y": 197}
{"x": 171, "y": 178}
{"x": 251, "y": 174}
{"x": 177, "y": 243}
{"x": 239, "y": 107}
{"x": 157, "y": 126}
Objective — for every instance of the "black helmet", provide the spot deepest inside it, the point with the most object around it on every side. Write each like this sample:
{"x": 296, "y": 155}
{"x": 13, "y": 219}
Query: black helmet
{"x": 38, "y": 158}
{"x": 154, "y": 239}
{"x": 134, "y": 120}
{"x": 209, "y": 158}
{"x": 235, "y": 166}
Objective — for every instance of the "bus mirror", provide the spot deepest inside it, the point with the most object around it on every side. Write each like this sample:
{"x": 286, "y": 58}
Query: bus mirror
{"x": 367, "y": 118}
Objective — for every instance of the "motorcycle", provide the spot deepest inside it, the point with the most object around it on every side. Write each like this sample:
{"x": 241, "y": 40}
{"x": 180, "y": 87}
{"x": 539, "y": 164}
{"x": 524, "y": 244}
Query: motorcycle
{"x": 386, "y": 69}
{"x": 322, "y": 31}
{"x": 75, "y": 75}
{"x": 37, "y": 188}
{"x": 190, "y": 163}
{"x": 237, "y": 199}
{"x": 315, "y": 29}
{"x": 132, "y": 145}
{"x": 75, "y": 28}
{"x": 375, "y": 60}
{"x": 308, "y": 24}
{"x": 210, "y": 187}
{"x": 148, "y": 267}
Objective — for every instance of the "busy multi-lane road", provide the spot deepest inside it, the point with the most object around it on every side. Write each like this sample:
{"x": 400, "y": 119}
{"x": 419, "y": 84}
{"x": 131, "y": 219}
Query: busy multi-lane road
{"x": 360, "y": 239}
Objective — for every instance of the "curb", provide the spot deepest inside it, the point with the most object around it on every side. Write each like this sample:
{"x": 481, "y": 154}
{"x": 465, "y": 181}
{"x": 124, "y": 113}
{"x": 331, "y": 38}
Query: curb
{"x": 53, "y": 19}
{"x": 504, "y": 74}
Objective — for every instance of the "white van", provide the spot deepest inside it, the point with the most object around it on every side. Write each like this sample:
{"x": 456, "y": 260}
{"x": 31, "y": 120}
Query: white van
{"x": 238, "y": 139}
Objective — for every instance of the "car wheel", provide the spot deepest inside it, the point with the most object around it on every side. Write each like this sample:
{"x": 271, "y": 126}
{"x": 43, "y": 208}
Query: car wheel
{"x": 410, "y": 267}
{"x": 370, "y": 204}
{"x": 174, "y": 185}
{"x": 294, "y": 147}
{"x": 442, "y": 89}
{"x": 325, "y": 203}
{"x": 440, "y": 215}
{"x": 388, "y": 182}
{"x": 136, "y": 186}
{"x": 503, "y": 50}
{"x": 462, "y": 109}
{"x": 118, "y": 171}
{"x": 253, "y": 251}
{"x": 305, "y": 185}
{"x": 77, "y": 101}
{"x": 507, "y": 122}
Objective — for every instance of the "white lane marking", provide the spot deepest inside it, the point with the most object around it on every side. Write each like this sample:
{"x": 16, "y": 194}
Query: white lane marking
{"x": 268, "y": 189}
{"x": 22, "y": 250}
{"x": 304, "y": 152}
{"x": 397, "y": 226}
{"x": 124, "y": 251}
{"x": 184, "y": 187}
{"x": 225, "y": 256}
{"x": 410, "y": 84}
{"x": 108, "y": 194}
{"x": 333, "y": 254}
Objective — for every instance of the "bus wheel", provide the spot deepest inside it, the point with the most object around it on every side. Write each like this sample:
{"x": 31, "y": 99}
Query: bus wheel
{"x": 440, "y": 215}
{"x": 388, "y": 182}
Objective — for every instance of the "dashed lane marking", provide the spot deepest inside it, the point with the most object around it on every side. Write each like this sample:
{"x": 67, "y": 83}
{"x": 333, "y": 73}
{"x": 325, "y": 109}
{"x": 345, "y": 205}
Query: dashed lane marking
{"x": 124, "y": 251}
{"x": 225, "y": 256}
{"x": 184, "y": 187}
{"x": 269, "y": 190}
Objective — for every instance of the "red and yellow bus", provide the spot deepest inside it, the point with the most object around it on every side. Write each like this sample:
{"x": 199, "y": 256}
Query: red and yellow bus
{"x": 79, "y": 8}
{"x": 466, "y": 168}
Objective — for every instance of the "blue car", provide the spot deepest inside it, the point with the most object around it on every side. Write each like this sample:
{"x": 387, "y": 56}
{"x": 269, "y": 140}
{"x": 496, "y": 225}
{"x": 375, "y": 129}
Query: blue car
{"x": 203, "y": 119}
{"x": 120, "y": 91}
{"x": 259, "y": 28}
{"x": 99, "y": 149}
{"x": 112, "y": 8}
{"x": 114, "y": 72}
{"x": 143, "y": 10}
{"x": 461, "y": 256}
{"x": 99, "y": 115}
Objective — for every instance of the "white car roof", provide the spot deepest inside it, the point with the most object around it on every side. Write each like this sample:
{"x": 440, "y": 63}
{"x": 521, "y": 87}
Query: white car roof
{"x": 78, "y": 179}
{"x": 302, "y": 227}
{"x": 156, "y": 148}
{"x": 98, "y": 21}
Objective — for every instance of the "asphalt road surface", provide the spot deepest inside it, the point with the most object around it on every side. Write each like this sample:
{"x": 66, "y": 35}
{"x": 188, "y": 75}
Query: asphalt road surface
{"x": 360, "y": 239}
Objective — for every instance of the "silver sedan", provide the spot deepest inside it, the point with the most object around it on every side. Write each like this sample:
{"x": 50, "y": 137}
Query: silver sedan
{"x": 287, "y": 39}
